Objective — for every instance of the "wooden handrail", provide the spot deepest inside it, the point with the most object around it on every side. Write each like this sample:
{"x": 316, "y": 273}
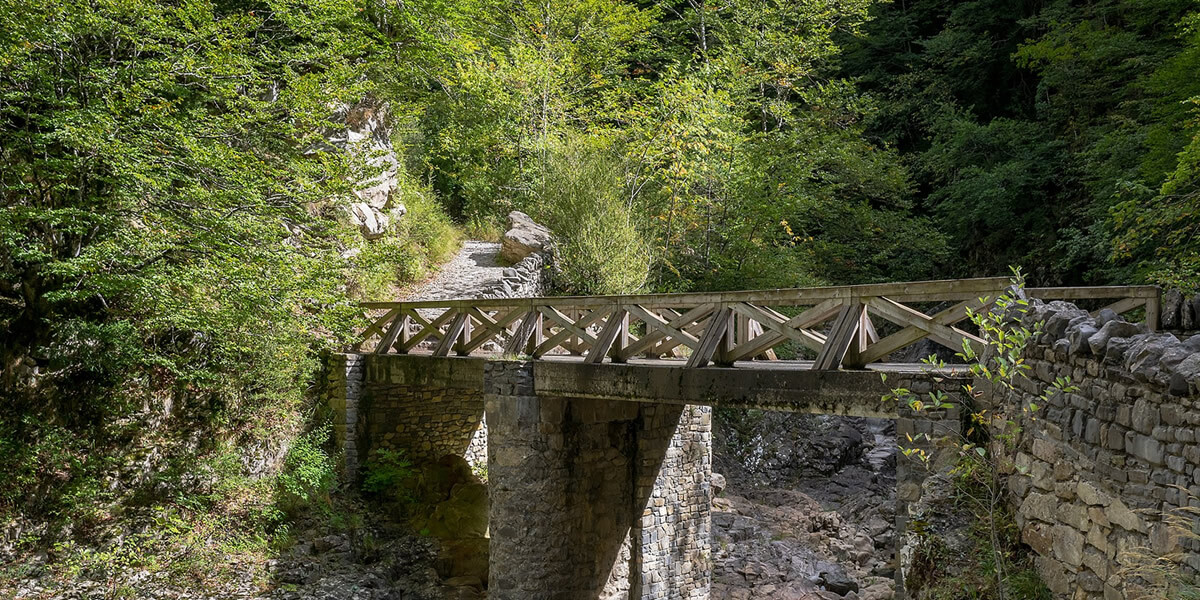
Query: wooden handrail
{"x": 938, "y": 290}
{"x": 720, "y": 327}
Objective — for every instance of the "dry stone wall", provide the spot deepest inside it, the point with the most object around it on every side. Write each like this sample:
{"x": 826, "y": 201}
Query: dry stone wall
{"x": 1094, "y": 471}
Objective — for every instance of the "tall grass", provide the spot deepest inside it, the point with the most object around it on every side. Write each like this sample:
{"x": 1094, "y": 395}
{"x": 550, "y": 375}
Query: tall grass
{"x": 599, "y": 247}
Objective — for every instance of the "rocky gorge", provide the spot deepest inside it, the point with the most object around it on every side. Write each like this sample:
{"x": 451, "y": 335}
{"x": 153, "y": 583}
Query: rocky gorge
{"x": 808, "y": 507}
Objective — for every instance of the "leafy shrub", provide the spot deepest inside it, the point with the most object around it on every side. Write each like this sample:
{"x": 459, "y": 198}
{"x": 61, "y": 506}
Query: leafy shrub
{"x": 390, "y": 475}
{"x": 599, "y": 249}
{"x": 308, "y": 473}
{"x": 416, "y": 242}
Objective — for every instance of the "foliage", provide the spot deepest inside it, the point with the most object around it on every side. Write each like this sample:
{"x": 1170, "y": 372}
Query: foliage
{"x": 939, "y": 574}
{"x": 413, "y": 247}
{"x": 996, "y": 365}
{"x": 308, "y": 473}
{"x": 1056, "y": 134}
{"x": 736, "y": 156}
{"x": 1163, "y": 576}
{"x": 386, "y": 472}
{"x": 598, "y": 247}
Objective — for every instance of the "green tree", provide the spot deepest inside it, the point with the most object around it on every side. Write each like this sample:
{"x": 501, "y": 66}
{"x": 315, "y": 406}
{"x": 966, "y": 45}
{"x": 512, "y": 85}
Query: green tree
{"x": 164, "y": 168}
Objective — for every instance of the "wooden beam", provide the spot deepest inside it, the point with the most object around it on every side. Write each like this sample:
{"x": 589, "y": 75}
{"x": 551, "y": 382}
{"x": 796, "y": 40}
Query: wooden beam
{"x": 567, "y": 330}
{"x": 1154, "y": 310}
{"x": 694, "y": 328}
{"x": 622, "y": 340}
{"x": 374, "y": 328}
{"x": 1124, "y": 305}
{"x": 910, "y": 334}
{"x": 612, "y": 327}
{"x": 756, "y": 329}
{"x": 524, "y": 333}
{"x": 796, "y": 332}
{"x": 668, "y": 328}
{"x": 492, "y": 329}
{"x": 430, "y": 328}
{"x": 950, "y": 337}
{"x": 796, "y": 326}
{"x": 1102, "y": 292}
{"x": 389, "y": 337}
{"x": 452, "y": 332}
{"x": 940, "y": 290}
{"x": 712, "y": 338}
{"x": 840, "y": 337}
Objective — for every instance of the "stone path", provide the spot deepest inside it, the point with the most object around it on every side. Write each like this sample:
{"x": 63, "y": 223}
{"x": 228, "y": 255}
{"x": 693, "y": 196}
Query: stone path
{"x": 472, "y": 270}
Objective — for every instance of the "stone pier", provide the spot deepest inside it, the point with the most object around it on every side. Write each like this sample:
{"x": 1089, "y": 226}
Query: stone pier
{"x": 593, "y": 498}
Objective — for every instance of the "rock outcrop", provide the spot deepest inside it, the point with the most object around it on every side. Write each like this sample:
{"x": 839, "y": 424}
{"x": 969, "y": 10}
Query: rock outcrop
{"x": 523, "y": 238}
{"x": 363, "y": 129}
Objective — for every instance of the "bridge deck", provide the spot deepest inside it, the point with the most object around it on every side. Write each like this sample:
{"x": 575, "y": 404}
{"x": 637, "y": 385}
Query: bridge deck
{"x": 788, "y": 386}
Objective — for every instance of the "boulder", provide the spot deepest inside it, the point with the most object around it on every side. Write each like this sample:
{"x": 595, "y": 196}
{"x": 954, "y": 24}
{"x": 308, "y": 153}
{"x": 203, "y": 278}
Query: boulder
{"x": 1079, "y": 334}
{"x": 1144, "y": 354}
{"x": 464, "y": 515}
{"x": 1110, "y": 330}
{"x": 834, "y": 578}
{"x": 1105, "y": 315}
{"x": 524, "y": 237}
{"x": 365, "y": 132}
{"x": 1172, "y": 301}
{"x": 718, "y": 484}
{"x": 1058, "y": 321}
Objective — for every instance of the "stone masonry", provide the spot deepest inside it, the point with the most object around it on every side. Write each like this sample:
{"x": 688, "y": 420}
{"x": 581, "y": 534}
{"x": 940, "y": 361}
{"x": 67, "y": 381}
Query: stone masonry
{"x": 1095, "y": 471}
{"x": 593, "y": 498}
{"x": 428, "y": 411}
{"x": 600, "y": 477}
{"x": 674, "y": 476}
{"x": 343, "y": 388}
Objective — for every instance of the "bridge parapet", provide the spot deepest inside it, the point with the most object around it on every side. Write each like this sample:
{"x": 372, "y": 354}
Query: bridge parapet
{"x": 842, "y": 326}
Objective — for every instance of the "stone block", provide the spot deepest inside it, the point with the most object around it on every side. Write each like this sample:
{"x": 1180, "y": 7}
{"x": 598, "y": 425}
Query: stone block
{"x": 1074, "y": 515}
{"x": 1068, "y": 545}
{"x": 1120, "y": 515}
{"x": 1042, "y": 507}
{"x": 1054, "y": 574}
{"x": 1145, "y": 416}
{"x": 1038, "y": 536}
{"x": 1045, "y": 450}
{"x": 1091, "y": 495}
{"x": 1147, "y": 449}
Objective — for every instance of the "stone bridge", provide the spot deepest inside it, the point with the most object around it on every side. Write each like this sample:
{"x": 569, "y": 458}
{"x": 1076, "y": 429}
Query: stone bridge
{"x": 596, "y": 431}
{"x": 599, "y": 476}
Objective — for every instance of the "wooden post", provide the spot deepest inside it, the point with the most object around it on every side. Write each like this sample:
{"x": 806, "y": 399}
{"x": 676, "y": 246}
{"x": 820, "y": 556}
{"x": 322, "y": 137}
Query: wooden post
{"x": 1154, "y": 310}
{"x": 712, "y": 338}
{"x": 612, "y": 328}
{"x": 452, "y": 333}
{"x": 622, "y": 340}
{"x": 464, "y": 337}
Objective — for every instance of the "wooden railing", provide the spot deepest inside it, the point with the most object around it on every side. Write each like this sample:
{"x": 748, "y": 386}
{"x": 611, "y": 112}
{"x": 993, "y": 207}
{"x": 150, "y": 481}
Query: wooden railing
{"x": 841, "y": 325}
